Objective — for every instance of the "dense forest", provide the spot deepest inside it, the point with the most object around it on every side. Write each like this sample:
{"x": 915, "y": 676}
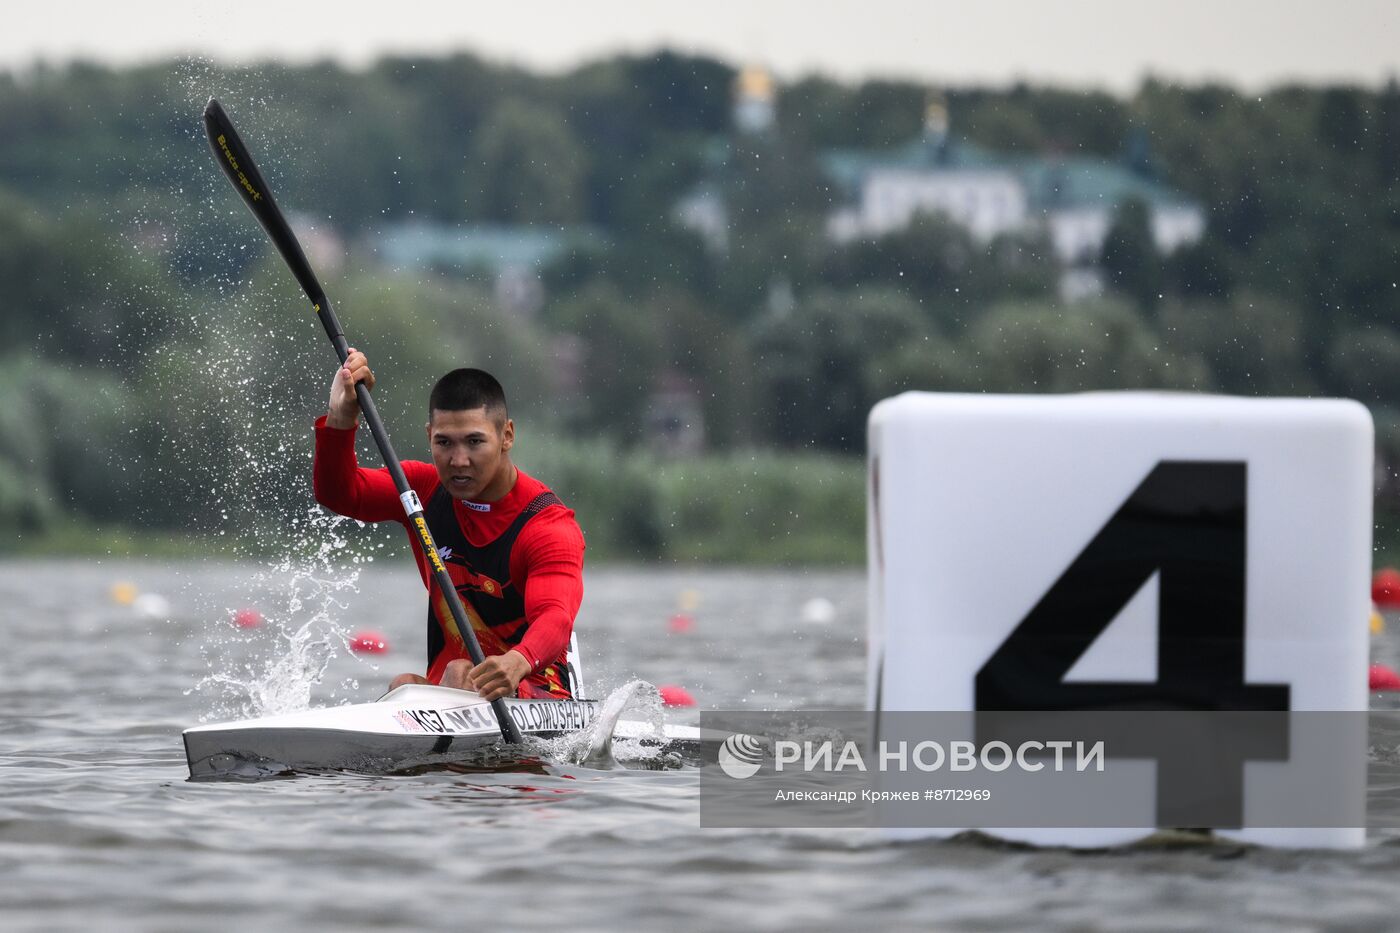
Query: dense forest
{"x": 161, "y": 370}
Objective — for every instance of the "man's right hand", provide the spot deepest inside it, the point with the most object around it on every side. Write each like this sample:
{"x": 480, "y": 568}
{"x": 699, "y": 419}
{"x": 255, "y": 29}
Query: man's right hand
{"x": 344, "y": 411}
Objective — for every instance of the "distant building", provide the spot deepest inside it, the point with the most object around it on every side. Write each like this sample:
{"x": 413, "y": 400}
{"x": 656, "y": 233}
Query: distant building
{"x": 883, "y": 192}
{"x": 753, "y": 113}
{"x": 755, "y": 100}
{"x": 703, "y": 210}
{"x": 1072, "y": 199}
{"x": 675, "y": 420}
{"x": 515, "y": 257}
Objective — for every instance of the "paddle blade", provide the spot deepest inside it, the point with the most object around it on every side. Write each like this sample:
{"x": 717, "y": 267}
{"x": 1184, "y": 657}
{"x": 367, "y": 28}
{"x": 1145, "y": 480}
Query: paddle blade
{"x": 236, "y": 162}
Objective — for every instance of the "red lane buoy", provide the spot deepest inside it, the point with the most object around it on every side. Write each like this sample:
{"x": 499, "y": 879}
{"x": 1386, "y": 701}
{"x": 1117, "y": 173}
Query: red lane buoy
{"x": 673, "y": 695}
{"x": 681, "y": 623}
{"x": 1384, "y": 678}
{"x": 1385, "y": 588}
{"x": 368, "y": 641}
{"x": 247, "y": 617}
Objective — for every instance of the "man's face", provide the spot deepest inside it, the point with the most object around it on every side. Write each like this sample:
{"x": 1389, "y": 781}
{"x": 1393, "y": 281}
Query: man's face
{"x": 469, "y": 450}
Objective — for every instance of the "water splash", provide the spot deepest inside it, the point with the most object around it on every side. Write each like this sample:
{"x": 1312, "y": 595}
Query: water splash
{"x": 640, "y": 741}
{"x": 283, "y": 662}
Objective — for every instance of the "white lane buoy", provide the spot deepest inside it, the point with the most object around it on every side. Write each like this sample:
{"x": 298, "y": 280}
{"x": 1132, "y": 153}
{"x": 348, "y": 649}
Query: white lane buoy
{"x": 819, "y": 611}
{"x": 151, "y": 606}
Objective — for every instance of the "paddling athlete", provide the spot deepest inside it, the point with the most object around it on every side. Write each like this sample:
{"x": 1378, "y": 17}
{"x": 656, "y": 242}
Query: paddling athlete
{"x": 513, "y": 550}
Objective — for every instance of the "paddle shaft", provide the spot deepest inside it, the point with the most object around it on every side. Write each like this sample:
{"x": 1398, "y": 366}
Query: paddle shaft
{"x": 238, "y": 165}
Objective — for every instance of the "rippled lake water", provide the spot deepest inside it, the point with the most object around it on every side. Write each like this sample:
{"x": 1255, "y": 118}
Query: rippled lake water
{"x": 99, "y": 828}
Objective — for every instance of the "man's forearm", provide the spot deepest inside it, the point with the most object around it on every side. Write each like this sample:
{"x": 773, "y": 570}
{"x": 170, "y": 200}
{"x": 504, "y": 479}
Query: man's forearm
{"x": 342, "y": 486}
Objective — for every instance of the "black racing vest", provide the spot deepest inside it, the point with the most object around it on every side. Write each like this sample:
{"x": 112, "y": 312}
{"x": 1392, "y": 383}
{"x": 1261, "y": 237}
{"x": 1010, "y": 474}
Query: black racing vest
{"x": 481, "y": 574}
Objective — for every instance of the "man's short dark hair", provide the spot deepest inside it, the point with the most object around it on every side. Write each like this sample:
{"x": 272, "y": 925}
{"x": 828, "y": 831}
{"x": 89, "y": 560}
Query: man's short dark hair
{"x": 465, "y": 389}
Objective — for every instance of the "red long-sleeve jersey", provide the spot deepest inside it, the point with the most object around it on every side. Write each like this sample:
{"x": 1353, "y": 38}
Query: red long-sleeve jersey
{"x": 546, "y": 560}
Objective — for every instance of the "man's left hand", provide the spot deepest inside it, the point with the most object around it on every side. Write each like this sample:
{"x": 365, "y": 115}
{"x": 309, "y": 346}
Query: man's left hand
{"x": 499, "y": 675}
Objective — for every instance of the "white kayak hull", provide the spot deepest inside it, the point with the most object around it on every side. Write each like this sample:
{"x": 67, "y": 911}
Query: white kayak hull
{"x": 413, "y": 726}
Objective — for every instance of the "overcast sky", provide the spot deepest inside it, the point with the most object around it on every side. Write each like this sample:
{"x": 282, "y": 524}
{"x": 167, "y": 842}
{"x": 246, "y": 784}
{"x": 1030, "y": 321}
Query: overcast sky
{"x": 1106, "y": 43}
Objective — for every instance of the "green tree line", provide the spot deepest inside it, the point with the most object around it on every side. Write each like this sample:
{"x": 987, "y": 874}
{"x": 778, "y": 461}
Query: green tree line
{"x": 162, "y": 371}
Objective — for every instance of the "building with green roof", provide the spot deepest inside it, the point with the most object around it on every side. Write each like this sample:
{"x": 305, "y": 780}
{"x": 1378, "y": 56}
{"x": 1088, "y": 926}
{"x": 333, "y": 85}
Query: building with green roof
{"x": 1071, "y": 199}
{"x": 513, "y": 256}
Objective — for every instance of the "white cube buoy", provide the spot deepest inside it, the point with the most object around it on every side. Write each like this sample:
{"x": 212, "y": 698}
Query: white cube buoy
{"x": 1120, "y": 550}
